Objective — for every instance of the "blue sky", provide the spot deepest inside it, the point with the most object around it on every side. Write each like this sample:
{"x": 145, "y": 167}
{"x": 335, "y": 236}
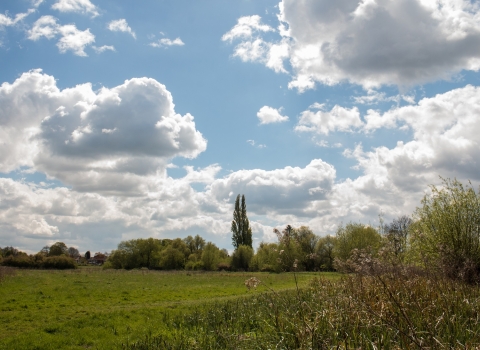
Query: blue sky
{"x": 122, "y": 119}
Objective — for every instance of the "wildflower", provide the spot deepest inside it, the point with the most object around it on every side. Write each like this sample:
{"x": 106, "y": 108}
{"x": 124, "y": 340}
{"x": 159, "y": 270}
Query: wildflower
{"x": 252, "y": 282}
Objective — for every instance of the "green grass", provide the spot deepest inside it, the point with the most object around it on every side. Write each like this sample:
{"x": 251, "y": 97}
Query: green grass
{"x": 94, "y": 308}
{"x": 389, "y": 311}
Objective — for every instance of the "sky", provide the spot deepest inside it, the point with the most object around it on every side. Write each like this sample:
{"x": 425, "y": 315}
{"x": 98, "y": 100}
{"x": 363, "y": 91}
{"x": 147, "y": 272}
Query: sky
{"x": 124, "y": 119}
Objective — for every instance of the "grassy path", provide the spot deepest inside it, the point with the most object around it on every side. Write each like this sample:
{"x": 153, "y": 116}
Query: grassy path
{"x": 93, "y": 308}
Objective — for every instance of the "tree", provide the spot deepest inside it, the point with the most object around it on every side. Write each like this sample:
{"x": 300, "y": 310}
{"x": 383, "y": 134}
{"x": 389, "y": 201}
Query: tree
{"x": 324, "y": 250}
{"x": 87, "y": 255}
{"x": 73, "y": 252}
{"x": 307, "y": 242}
{"x": 58, "y": 249}
{"x": 356, "y": 236}
{"x": 210, "y": 257}
{"x": 241, "y": 257}
{"x": 241, "y": 231}
{"x": 396, "y": 234}
{"x": 447, "y": 230}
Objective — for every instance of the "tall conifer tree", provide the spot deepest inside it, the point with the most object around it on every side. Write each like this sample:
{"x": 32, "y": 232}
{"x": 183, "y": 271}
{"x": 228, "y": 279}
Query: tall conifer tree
{"x": 241, "y": 231}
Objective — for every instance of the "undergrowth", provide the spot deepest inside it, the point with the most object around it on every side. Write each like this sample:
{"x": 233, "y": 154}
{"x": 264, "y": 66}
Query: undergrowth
{"x": 396, "y": 309}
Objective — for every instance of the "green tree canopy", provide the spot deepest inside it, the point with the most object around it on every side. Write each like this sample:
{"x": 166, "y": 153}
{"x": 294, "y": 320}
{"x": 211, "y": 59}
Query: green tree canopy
{"x": 356, "y": 236}
{"x": 58, "y": 249}
{"x": 241, "y": 231}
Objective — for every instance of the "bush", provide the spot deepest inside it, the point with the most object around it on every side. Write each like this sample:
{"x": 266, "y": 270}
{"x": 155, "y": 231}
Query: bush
{"x": 446, "y": 231}
{"x": 194, "y": 265}
{"x": 22, "y": 261}
{"x": 61, "y": 262}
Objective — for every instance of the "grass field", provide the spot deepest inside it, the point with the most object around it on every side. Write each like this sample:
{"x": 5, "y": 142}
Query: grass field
{"x": 94, "y": 308}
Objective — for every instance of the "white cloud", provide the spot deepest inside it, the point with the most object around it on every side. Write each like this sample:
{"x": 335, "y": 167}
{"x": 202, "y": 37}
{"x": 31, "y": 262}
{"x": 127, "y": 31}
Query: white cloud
{"x": 71, "y": 38}
{"x": 324, "y": 122}
{"x": 375, "y": 97}
{"x": 79, "y": 6}
{"x": 103, "y": 48}
{"x": 253, "y": 48}
{"x": 121, "y": 25}
{"x": 254, "y": 144}
{"x": 45, "y": 26}
{"x": 445, "y": 139}
{"x": 245, "y": 28}
{"x": 165, "y": 42}
{"x": 6, "y": 21}
{"x": 37, "y": 3}
{"x": 279, "y": 192}
{"x": 268, "y": 115}
{"x": 74, "y": 40}
{"x": 371, "y": 43}
{"x": 104, "y": 141}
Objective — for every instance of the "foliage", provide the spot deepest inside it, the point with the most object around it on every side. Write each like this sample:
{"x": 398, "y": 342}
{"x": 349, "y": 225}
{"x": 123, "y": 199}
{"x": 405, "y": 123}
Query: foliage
{"x": 242, "y": 257}
{"x": 59, "y": 263}
{"x": 210, "y": 257}
{"x": 355, "y": 236}
{"x": 57, "y": 249}
{"x": 447, "y": 230}
{"x": 73, "y": 252}
{"x": 307, "y": 241}
{"x": 397, "y": 236}
{"x": 170, "y": 258}
{"x": 266, "y": 258}
{"x": 242, "y": 233}
{"x": 39, "y": 261}
{"x": 324, "y": 251}
{"x": 87, "y": 254}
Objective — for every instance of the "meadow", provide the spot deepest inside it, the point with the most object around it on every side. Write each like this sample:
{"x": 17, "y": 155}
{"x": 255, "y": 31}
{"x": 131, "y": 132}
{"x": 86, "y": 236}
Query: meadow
{"x": 104, "y": 309}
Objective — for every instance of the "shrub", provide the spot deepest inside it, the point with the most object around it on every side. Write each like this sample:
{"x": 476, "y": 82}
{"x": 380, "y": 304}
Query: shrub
{"x": 22, "y": 261}
{"x": 61, "y": 262}
{"x": 446, "y": 230}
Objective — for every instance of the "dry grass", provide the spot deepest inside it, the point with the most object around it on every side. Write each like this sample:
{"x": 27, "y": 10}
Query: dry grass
{"x": 397, "y": 309}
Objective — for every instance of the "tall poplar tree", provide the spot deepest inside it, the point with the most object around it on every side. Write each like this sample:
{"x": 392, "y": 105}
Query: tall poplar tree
{"x": 241, "y": 231}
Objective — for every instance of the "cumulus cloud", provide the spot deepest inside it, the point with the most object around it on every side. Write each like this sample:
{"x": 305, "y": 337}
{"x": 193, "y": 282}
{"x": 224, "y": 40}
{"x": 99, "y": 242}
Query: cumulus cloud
{"x": 445, "y": 129}
{"x": 94, "y": 141}
{"x": 121, "y": 25}
{"x": 269, "y": 115}
{"x": 288, "y": 190}
{"x": 371, "y": 43}
{"x": 79, "y": 6}
{"x": 165, "y": 42}
{"x": 253, "y": 48}
{"x": 324, "y": 122}
{"x": 71, "y": 38}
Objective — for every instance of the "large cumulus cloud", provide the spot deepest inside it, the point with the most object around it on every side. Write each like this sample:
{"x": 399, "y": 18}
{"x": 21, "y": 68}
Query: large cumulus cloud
{"x": 93, "y": 141}
{"x": 368, "y": 42}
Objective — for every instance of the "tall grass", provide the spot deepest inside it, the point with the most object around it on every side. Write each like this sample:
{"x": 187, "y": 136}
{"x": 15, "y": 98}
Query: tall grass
{"x": 6, "y": 272}
{"x": 398, "y": 309}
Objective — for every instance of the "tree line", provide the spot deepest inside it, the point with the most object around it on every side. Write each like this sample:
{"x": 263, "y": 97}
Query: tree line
{"x": 443, "y": 233}
{"x": 58, "y": 256}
